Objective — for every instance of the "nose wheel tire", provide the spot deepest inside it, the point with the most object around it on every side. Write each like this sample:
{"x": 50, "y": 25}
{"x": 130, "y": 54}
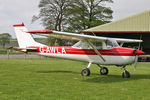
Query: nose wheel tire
{"x": 103, "y": 71}
{"x": 126, "y": 74}
{"x": 85, "y": 72}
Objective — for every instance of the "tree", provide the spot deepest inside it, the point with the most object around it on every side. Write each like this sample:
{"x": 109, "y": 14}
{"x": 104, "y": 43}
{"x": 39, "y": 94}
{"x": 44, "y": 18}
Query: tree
{"x": 4, "y": 39}
{"x": 72, "y": 15}
{"x": 52, "y": 13}
{"x": 85, "y": 14}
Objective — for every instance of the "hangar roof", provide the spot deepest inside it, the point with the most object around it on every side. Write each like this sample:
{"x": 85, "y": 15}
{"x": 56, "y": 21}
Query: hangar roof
{"x": 139, "y": 23}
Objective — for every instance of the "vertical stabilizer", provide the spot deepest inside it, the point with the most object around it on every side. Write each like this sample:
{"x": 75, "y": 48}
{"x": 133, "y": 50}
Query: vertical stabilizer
{"x": 24, "y": 39}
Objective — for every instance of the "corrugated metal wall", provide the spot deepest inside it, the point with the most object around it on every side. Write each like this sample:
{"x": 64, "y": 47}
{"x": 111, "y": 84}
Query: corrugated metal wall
{"x": 139, "y": 22}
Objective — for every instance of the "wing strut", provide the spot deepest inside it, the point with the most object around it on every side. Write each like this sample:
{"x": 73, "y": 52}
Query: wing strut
{"x": 94, "y": 48}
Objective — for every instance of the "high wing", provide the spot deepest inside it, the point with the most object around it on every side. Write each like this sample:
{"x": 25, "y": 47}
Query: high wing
{"x": 49, "y": 33}
{"x": 75, "y": 36}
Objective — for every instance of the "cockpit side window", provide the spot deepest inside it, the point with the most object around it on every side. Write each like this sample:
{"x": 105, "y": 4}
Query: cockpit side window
{"x": 98, "y": 45}
{"x": 111, "y": 43}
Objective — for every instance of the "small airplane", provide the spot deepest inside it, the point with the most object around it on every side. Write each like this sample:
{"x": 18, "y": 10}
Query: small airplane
{"x": 91, "y": 49}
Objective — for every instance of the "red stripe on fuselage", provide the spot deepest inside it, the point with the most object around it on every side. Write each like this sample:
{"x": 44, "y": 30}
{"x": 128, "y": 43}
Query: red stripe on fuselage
{"x": 76, "y": 51}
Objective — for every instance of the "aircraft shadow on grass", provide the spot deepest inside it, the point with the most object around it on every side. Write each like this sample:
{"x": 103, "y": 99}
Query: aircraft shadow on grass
{"x": 115, "y": 78}
{"x": 96, "y": 78}
{"x": 58, "y": 71}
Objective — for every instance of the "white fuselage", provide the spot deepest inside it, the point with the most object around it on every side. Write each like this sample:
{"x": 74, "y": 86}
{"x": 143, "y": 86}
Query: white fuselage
{"x": 110, "y": 60}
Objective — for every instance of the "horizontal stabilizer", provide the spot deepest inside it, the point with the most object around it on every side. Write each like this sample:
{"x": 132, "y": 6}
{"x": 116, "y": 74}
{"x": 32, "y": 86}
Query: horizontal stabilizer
{"x": 25, "y": 50}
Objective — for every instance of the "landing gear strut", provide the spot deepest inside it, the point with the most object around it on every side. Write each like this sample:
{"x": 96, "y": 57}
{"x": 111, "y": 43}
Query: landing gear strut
{"x": 125, "y": 74}
{"x": 103, "y": 71}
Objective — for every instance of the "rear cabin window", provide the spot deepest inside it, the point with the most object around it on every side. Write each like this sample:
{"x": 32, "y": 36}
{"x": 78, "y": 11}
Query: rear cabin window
{"x": 85, "y": 45}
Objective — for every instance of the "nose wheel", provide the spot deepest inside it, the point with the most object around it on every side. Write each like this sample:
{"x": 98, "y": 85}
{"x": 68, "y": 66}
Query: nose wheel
{"x": 125, "y": 74}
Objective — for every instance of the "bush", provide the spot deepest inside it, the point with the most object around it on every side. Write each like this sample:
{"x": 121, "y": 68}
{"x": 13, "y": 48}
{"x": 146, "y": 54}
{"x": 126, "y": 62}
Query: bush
{"x": 3, "y": 51}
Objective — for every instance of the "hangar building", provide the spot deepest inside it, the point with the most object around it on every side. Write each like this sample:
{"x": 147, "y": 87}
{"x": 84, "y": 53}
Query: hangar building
{"x": 132, "y": 27}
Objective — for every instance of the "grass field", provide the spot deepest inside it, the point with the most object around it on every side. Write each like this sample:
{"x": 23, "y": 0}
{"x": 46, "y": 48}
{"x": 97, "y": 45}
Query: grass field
{"x": 57, "y": 79}
{"x": 5, "y": 52}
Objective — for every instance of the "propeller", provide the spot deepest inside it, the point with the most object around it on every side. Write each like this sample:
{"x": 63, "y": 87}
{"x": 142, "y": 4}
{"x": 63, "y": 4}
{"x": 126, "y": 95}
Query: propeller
{"x": 137, "y": 56}
{"x": 136, "y": 61}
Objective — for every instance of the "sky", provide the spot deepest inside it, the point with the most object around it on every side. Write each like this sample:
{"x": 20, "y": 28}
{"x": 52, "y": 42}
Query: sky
{"x": 18, "y": 11}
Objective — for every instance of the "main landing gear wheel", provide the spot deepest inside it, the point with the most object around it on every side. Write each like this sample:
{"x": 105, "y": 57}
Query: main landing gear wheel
{"x": 126, "y": 74}
{"x": 104, "y": 71}
{"x": 85, "y": 72}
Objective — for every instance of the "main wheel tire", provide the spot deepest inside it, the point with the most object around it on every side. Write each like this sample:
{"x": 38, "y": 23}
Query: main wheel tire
{"x": 85, "y": 72}
{"x": 126, "y": 74}
{"x": 104, "y": 71}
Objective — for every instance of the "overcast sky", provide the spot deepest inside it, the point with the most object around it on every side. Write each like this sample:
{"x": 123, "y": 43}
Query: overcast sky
{"x": 18, "y": 11}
